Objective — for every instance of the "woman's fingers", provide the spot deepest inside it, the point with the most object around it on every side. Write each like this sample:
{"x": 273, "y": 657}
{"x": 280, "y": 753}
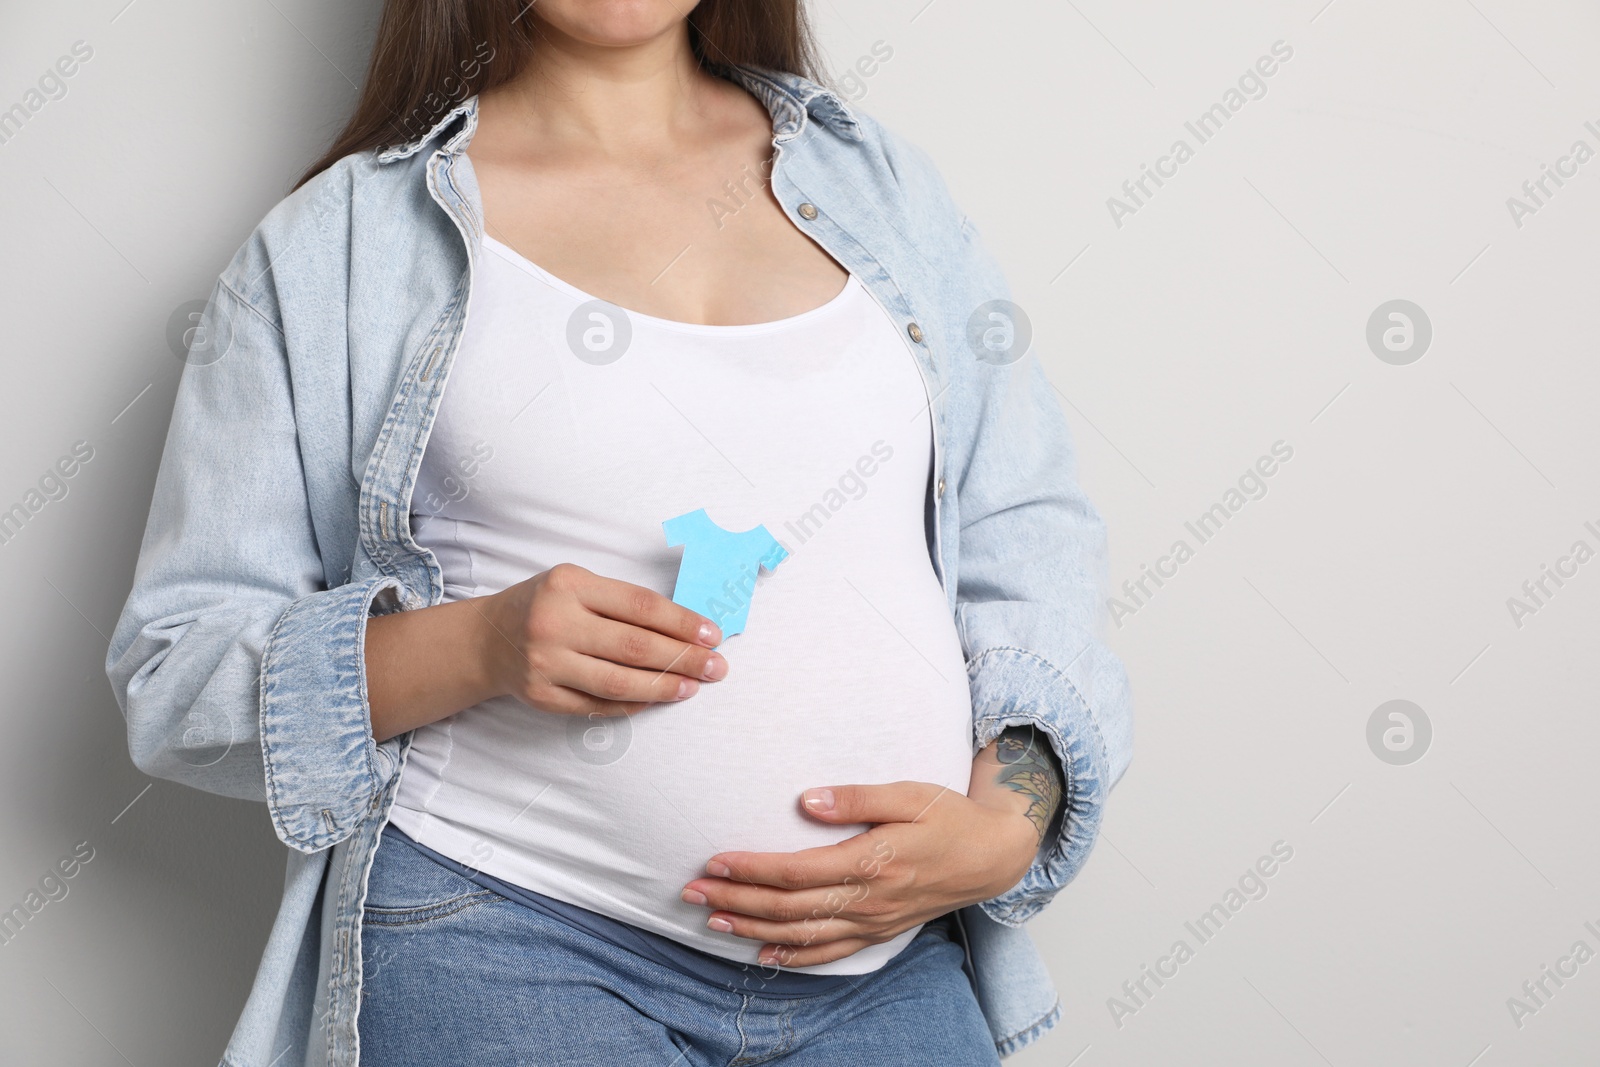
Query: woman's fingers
{"x": 764, "y": 902}
{"x": 561, "y": 700}
{"x": 860, "y": 857}
{"x": 635, "y": 646}
{"x": 629, "y": 603}
{"x": 808, "y": 956}
{"x": 890, "y": 802}
{"x": 613, "y": 683}
{"x": 818, "y": 895}
{"x": 807, "y": 932}
{"x": 575, "y": 643}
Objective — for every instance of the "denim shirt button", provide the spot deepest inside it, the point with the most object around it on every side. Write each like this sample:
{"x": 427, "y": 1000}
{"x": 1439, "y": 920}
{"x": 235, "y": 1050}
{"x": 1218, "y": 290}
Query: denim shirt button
{"x": 940, "y": 491}
{"x": 808, "y": 211}
{"x": 916, "y": 332}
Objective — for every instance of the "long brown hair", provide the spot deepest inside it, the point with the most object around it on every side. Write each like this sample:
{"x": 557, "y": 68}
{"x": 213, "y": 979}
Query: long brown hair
{"x": 432, "y": 54}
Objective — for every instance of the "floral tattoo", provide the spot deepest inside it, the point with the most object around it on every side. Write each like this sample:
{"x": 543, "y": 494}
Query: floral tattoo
{"x": 1028, "y": 766}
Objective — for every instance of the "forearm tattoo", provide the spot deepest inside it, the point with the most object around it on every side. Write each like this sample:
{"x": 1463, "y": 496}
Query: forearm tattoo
{"x": 1028, "y": 766}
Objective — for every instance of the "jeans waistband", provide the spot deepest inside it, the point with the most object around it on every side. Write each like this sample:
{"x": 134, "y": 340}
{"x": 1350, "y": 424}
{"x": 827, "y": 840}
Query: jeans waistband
{"x": 723, "y": 973}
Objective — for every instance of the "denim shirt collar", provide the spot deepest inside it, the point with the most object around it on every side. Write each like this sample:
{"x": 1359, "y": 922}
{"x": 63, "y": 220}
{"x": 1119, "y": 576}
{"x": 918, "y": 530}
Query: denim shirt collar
{"x": 790, "y": 99}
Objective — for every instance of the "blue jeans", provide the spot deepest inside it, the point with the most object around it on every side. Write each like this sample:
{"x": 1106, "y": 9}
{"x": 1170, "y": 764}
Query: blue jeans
{"x": 453, "y": 973}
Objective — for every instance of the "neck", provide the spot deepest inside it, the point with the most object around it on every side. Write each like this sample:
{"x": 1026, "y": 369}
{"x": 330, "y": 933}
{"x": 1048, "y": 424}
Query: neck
{"x": 607, "y": 98}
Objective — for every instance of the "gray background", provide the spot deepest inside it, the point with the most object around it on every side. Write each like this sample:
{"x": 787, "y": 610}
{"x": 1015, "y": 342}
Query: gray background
{"x": 1228, "y": 313}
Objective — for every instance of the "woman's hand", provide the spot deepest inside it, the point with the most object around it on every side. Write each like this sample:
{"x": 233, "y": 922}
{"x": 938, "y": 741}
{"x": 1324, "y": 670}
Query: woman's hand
{"x": 565, "y": 641}
{"x": 931, "y": 852}
{"x": 572, "y": 642}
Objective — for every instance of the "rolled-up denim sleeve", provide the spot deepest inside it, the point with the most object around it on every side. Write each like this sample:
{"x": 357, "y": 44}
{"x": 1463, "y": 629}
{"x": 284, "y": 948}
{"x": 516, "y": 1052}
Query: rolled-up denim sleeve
{"x": 1015, "y": 687}
{"x": 1031, "y": 599}
{"x": 238, "y": 670}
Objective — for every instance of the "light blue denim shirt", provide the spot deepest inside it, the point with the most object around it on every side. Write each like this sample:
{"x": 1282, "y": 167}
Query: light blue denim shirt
{"x": 281, "y": 522}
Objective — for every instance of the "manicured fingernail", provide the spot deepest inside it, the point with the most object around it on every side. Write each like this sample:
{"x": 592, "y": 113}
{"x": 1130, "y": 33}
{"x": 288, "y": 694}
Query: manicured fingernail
{"x": 709, "y": 635}
{"x": 769, "y": 959}
{"x": 716, "y": 667}
{"x": 693, "y": 896}
{"x": 717, "y": 870}
{"x": 717, "y": 922}
{"x": 817, "y": 799}
{"x": 686, "y": 688}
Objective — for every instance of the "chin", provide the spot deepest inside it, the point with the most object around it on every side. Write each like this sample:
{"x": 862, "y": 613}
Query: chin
{"x": 612, "y": 23}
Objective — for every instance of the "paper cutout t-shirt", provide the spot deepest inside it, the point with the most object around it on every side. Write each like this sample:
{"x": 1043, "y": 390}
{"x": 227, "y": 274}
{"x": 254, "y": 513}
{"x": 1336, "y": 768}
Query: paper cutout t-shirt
{"x": 849, "y": 670}
{"x": 718, "y": 574}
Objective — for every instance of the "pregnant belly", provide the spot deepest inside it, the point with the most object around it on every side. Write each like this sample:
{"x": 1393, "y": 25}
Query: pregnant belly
{"x": 615, "y": 815}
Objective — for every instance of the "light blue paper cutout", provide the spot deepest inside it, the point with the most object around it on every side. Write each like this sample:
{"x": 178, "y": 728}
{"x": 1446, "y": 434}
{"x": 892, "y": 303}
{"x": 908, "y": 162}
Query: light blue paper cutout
{"x": 717, "y": 577}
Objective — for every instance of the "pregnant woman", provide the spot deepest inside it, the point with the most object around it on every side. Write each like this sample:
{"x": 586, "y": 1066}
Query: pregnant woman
{"x": 612, "y": 518}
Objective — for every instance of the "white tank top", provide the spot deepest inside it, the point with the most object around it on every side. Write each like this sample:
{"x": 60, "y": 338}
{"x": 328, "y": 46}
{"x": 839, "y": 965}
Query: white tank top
{"x": 549, "y": 447}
